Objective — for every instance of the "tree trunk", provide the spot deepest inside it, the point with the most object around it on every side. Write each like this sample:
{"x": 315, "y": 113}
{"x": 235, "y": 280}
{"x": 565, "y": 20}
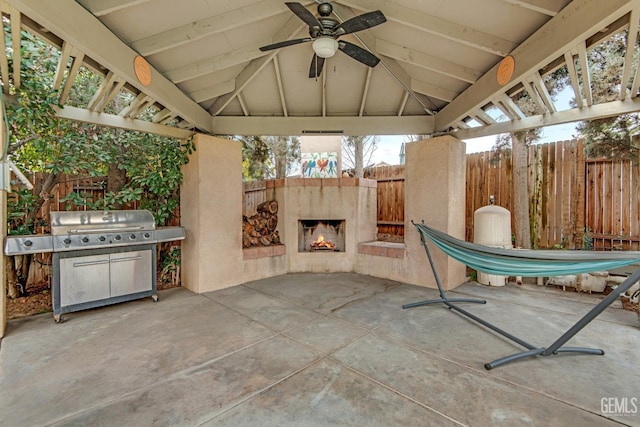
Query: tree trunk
{"x": 280, "y": 151}
{"x": 358, "y": 151}
{"x": 521, "y": 221}
{"x": 13, "y": 285}
{"x": 116, "y": 179}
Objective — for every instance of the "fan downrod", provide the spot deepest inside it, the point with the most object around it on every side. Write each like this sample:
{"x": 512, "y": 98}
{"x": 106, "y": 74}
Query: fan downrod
{"x": 325, "y": 9}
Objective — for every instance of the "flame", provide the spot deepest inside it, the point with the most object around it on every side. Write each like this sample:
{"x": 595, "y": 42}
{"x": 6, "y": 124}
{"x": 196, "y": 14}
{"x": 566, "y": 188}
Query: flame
{"x": 321, "y": 243}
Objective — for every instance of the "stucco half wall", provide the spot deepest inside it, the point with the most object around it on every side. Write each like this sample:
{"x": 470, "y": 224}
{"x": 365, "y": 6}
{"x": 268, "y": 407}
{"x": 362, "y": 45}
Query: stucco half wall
{"x": 435, "y": 179}
{"x": 211, "y": 211}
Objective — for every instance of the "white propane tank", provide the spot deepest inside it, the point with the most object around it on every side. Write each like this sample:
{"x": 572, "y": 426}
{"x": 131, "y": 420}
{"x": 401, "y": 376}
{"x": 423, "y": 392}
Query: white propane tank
{"x": 492, "y": 227}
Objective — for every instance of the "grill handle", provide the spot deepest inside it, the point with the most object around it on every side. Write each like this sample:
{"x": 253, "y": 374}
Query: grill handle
{"x": 104, "y": 230}
{"x": 87, "y": 263}
{"x": 130, "y": 258}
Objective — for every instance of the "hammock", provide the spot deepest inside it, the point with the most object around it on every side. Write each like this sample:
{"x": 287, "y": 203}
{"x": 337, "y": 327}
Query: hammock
{"x": 516, "y": 262}
{"x": 523, "y": 262}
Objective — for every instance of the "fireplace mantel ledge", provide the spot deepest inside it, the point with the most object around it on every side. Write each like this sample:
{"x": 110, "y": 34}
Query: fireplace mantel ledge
{"x": 321, "y": 182}
{"x": 384, "y": 249}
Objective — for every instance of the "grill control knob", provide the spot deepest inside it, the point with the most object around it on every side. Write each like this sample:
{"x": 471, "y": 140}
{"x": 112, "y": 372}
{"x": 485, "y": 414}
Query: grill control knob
{"x": 28, "y": 243}
{"x": 102, "y": 238}
{"x": 67, "y": 241}
{"x": 146, "y": 235}
{"x": 132, "y": 237}
{"x": 117, "y": 237}
{"x": 85, "y": 239}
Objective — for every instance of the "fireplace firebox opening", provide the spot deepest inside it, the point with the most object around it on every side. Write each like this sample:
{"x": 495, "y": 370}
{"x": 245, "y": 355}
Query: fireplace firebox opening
{"x": 321, "y": 235}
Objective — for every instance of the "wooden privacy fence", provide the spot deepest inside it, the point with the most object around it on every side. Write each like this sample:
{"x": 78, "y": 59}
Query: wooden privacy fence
{"x": 611, "y": 197}
{"x": 390, "y": 200}
{"x": 574, "y": 202}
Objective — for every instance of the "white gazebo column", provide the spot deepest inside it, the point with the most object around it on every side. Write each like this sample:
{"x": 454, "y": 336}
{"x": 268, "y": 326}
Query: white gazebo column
{"x": 434, "y": 192}
{"x": 211, "y": 213}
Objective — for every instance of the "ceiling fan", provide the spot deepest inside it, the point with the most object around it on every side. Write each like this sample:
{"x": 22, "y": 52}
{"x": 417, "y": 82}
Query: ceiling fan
{"x": 324, "y": 32}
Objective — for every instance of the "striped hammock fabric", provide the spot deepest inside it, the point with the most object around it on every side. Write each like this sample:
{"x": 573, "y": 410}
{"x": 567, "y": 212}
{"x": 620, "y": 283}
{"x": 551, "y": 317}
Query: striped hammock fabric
{"x": 525, "y": 262}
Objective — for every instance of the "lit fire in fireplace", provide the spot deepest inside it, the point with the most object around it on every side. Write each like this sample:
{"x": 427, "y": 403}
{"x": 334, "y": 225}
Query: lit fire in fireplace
{"x": 320, "y": 243}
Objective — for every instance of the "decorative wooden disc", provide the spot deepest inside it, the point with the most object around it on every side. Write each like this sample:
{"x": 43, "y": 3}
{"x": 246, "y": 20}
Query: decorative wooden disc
{"x": 142, "y": 70}
{"x": 505, "y": 70}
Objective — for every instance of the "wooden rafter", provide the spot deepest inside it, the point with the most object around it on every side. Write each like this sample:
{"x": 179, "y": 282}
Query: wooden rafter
{"x": 546, "y": 7}
{"x": 211, "y": 65}
{"x": 208, "y": 26}
{"x": 403, "y": 103}
{"x": 585, "y": 74}
{"x": 283, "y": 101}
{"x": 573, "y": 78}
{"x": 77, "y": 57}
{"x": 389, "y": 64}
{"x": 632, "y": 39}
{"x": 365, "y": 91}
{"x": 104, "y": 7}
{"x": 107, "y": 91}
{"x": 428, "y": 62}
{"x": 214, "y": 91}
{"x": 288, "y": 31}
{"x": 437, "y": 26}
{"x": 139, "y": 103}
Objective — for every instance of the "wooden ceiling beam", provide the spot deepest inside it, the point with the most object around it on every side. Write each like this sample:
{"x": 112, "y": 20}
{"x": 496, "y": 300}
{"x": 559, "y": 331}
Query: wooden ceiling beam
{"x": 231, "y": 20}
{"x": 428, "y": 62}
{"x": 546, "y": 7}
{"x": 436, "y": 26}
{"x": 104, "y": 7}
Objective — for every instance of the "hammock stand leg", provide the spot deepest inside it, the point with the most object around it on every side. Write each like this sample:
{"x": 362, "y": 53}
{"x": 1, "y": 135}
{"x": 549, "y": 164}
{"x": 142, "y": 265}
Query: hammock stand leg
{"x": 443, "y": 297}
{"x": 555, "y": 347}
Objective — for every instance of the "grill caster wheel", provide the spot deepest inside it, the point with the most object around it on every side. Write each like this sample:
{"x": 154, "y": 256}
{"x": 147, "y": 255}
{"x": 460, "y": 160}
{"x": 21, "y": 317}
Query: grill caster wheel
{"x": 154, "y": 298}
{"x": 57, "y": 318}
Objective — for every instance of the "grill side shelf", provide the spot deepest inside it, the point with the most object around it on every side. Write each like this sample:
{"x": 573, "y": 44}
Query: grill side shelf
{"x": 30, "y": 244}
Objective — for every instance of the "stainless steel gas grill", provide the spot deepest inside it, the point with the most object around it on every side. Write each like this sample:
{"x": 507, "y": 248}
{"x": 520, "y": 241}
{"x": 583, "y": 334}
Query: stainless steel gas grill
{"x": 99, "y": 257}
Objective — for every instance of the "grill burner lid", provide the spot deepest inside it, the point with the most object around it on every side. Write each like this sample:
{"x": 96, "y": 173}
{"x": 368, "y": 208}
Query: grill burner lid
{"x": 71, "y": 230}
{"x": 114, "y": 221}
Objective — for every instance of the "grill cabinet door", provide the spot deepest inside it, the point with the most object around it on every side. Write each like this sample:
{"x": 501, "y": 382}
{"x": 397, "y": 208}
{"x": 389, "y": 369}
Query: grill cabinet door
{"x": 131, "y": 272}
{"x": 84, "y": 279}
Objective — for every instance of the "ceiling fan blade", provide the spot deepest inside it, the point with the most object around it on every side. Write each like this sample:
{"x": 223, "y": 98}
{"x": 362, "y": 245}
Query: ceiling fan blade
{"x": 317, "y": 62}
{"x": 302, "y": 13}
{"x": 358, "y": 53}
{"x": 360, "y": 22}
{"x": 285, "y": 44}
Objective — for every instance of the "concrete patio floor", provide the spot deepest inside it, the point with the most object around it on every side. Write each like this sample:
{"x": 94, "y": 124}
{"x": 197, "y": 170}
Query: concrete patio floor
{"x": 319, "y": 350}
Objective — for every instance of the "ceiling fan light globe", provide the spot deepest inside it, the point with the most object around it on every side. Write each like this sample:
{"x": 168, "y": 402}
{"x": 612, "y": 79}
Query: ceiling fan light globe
{"x": 325, "y": 47}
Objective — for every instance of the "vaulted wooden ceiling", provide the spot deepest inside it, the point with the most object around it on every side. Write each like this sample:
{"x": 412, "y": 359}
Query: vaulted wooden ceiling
{"x": 438, "y": 73}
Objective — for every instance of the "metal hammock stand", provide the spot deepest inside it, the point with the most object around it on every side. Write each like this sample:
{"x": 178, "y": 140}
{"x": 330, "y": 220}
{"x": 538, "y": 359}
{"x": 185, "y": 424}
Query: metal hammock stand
{"x": 531, "y": 350}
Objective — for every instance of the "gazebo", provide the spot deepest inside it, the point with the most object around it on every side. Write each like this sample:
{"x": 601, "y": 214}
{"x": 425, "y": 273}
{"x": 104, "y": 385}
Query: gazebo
{"x": 443, "y": 69}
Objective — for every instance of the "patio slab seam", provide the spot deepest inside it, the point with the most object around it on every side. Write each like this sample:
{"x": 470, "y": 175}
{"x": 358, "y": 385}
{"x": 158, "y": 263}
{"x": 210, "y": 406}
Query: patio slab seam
{"x": 262, "y": 390}
{"x": 547, "y": 309}
{"x": 481, "y": 372}
{"x": 172, "y": 377}
{"x": 393, "y": 390}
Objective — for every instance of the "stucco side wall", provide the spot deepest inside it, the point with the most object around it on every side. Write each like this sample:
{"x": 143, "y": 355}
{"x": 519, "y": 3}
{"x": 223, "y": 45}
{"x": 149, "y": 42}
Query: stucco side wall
{"x": 434, "y": 192}
{"x": 211, "y": 207}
